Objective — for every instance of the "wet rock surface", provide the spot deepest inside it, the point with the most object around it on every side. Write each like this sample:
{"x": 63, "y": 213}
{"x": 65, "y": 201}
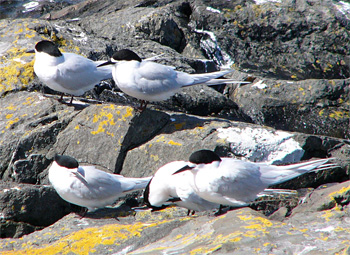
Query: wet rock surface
{"x": 296, "y": 108}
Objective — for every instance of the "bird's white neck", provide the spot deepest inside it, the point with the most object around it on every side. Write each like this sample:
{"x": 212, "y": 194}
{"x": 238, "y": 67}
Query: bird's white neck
{"x": 48, "y": 60}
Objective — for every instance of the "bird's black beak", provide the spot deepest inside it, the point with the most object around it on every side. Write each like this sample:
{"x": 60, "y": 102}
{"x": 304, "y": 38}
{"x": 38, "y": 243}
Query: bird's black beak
{"x": 106, "y": 63}
{"x": 30, "y": 51}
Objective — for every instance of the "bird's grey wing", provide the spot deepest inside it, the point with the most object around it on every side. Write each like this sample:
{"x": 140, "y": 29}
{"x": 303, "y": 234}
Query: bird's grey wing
{"x": 129, "y": 184}
{"x": 155, "y": 78}
{"x": 192, "y": 79}
{"x": 155, "y": 71}
{"x": 184, "y": 183}
{"x": 272, "y": 174}
{"x": 237, "y": 180}
{"x": 77, "y": 71}
{"x": 104, "y": 71}
{"x": 100, "y": 184}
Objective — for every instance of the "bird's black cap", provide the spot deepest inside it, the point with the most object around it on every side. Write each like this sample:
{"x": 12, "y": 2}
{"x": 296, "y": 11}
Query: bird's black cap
{"x": 204, "y": 157}
{"x": 66, "y": 161}
{"x": 126, "y": 54}
{"x": 48, "y": 47}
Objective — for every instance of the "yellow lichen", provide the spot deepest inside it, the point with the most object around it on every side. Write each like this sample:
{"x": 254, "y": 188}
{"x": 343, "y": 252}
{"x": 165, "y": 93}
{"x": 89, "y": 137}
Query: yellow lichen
{"x": 320, "y": 113}
{"x": 171, "y": 142}
{"x": 15, "y": 73}
{"x": 84, "y": 241}
{"x": 327, "y": 214}
{"x": 340, "y": 192}
{"x": 105, "y": 118}
{"x": 339, "y": 114}
{"x": 155, "y": 157}
{"x": 11, "y": 122}
{"x": 9, "y": 116}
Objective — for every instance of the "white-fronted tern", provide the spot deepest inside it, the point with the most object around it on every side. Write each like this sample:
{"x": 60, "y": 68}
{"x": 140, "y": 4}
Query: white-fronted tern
{"x": 236, "y": 183}
{"x": 87, "y": 186}
{"x": 68, "y": 73}
{"x": 150, "y": 81}
{"x": 207, "y": 181}
{"x": 171, "y": 184}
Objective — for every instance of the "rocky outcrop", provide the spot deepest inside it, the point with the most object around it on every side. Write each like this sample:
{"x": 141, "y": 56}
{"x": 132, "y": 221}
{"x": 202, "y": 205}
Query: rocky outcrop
{"x": 296, "y": 108}
{"x": 321, "y": 230}
{"x": 25, "y": 208}
{"x": 309, "y": 106}
{"x": 121, "y": 140}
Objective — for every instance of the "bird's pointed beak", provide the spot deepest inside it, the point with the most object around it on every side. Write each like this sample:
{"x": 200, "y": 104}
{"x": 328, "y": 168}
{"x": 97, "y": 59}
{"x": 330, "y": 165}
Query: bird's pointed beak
{"x": 80, "y": 177}
{"x": 30, "y": 51}
{"x": 106, "y": 63}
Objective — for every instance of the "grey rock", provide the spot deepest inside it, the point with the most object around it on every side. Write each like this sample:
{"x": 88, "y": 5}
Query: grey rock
{"x": 325, "y": 198}
{"x": 310, "y": 106}
{"x": 20, "y": 9}
{"x": 276, "y": 43}
{"x": 243, "y": 231}
{"x": 25, "y": 208}
{"x": 29, "y": 170}
{"x": 284, "y": 40}
{"x": 13, "y": 229}
{"x": 280, "y": 214}
{"x": 29, "y": 126}
{"x": 103, "y": 134}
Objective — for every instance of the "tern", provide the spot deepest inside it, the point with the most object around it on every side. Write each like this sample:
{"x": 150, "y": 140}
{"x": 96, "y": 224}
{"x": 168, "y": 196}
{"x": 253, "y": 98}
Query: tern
{"x": 172, "y": 185}
{"x": 68, "y": 73}
{"x": 150, "y": 81}
{"x": 88, "y": 186}
{"x": 237, "y": 183}
{"x": 206, "y": 181}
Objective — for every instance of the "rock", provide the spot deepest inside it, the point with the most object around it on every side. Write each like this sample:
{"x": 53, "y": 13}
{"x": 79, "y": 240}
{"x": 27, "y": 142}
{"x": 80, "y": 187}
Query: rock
{"x": 325, "y": 198}
{"x": 310, "y": 106}
{"x": 300, "y": 83}
{"x": 29, "y": 126}
{"x": 20, "y": 9}
{"x": 28, "y": 170}
{"x": 119, "y": 127}
{"x": 203, "y": 101}
{"x": 169, "y": 231}
{"x": 25, "y": 208}
{"x": 282, "y": 40}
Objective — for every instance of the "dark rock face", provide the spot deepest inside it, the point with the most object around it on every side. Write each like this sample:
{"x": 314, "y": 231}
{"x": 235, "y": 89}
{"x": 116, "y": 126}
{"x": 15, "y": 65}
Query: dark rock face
{"x": 26, "y": 208}
{"x": 285, "y": 40}
{"x": 120, "y": 127}
{"x": 29, "y": 128}
{"x": 296, "y": 108}
{"x": 310, "y": 106}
